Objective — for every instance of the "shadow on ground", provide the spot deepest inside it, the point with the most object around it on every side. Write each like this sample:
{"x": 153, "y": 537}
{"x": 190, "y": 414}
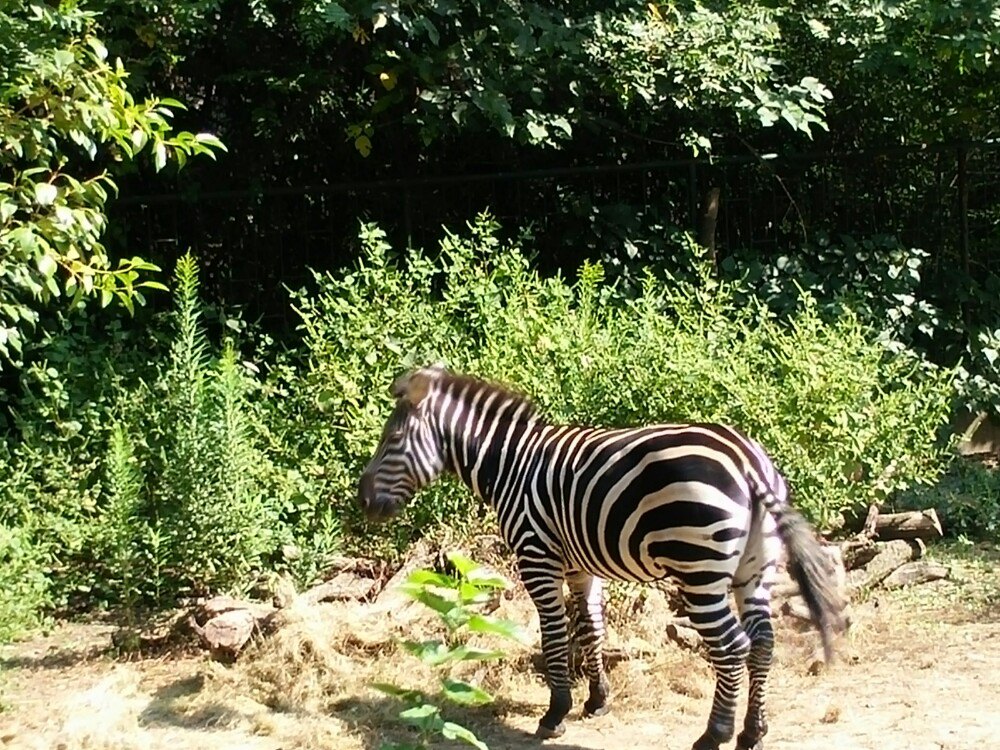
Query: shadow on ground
{"x": 55, "y": 659}
{"x": 376, "y": 722}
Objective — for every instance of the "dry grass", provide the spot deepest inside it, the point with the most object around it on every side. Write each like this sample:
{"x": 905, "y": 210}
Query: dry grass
{"x": 308, "y": 685}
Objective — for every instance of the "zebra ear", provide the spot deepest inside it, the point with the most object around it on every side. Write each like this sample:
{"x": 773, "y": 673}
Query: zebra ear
{"x": 411, "y": 387}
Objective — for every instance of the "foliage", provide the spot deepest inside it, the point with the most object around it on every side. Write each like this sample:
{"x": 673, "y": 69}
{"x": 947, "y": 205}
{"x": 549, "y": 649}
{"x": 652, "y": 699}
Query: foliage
{"x": 707, "y": 62}
{"x": 139, "y": 469}
{"x": 967, "y": 500}
{"x": 906, "y": 71}
{"x": 120, "y": 522}
{"x": 849, "y": 421}
{"x": 24, "y": 588}
{"x": 536, "y": 75}
{"x": 455, "y": 600}
{"x": 65, "y": 116}
{"x": 883, "y": 283}
{"x": 207, "y": 505}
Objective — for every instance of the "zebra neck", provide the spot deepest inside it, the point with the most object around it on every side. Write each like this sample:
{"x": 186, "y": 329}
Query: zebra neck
{"x": 489, "y": 455}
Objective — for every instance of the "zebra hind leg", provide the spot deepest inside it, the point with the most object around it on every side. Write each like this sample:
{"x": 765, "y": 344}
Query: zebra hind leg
{"x": 752, "y": 590}
{"x": 728, "y": 647}
{"x": 545, "y": 588}
{"x": 588, "y": 597}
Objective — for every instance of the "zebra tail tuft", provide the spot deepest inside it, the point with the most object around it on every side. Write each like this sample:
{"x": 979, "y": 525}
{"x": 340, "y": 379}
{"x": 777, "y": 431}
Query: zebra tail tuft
{"x": 812, "y": 570}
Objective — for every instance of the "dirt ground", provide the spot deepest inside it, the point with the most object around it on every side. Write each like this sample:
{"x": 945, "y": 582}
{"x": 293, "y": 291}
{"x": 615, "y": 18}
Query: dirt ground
{"x": 919, "y": 669}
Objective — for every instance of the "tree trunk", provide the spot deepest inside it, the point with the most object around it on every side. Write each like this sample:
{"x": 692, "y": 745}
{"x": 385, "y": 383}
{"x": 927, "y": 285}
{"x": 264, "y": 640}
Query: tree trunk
{"x": 708, "y": 216}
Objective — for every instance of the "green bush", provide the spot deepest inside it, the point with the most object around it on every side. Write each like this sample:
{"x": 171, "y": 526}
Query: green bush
{"x": 139, "y": 469}
{"x": 142, "y": 466}
{"x": 24, "y": 588}
{"x": 849, "y": 421}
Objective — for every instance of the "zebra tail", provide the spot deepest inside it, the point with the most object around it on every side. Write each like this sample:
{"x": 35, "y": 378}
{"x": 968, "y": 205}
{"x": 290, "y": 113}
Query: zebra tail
{"x": 811, "y": 568}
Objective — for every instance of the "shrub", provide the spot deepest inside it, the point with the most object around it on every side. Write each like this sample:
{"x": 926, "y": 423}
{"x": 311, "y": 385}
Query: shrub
{"x": 139, "y": 469}
{"x": 455, "y": 599}
{"x": 24, "y": 588}
{"x": 207, "y": 510}
{"x": 849, "y": 421}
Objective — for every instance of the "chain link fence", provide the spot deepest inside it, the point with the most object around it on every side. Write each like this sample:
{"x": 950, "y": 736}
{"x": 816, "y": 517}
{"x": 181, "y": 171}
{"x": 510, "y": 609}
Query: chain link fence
{"x": 252, "y": 244}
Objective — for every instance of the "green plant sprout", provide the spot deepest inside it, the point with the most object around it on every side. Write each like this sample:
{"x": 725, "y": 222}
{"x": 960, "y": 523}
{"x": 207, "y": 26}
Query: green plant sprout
{"x": 454, "y": 599}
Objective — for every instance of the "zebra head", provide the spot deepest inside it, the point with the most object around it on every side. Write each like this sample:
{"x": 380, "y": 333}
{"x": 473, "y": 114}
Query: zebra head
{"x": 409, "y": 455}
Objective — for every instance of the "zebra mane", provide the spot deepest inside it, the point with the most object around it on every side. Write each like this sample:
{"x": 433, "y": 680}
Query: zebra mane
{"x": 455, "y": 383}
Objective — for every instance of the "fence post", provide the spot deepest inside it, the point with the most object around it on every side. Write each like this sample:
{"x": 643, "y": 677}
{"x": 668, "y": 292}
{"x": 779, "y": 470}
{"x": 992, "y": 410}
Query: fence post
{"x": 963, "y": 222}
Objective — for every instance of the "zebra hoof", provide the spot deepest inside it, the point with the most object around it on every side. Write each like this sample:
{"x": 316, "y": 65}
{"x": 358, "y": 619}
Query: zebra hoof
{"x": 743, "y": 742}
{"x": 547, "y": 733}
{"x": 594, "y": 711}
{"x": 706, "y": 742}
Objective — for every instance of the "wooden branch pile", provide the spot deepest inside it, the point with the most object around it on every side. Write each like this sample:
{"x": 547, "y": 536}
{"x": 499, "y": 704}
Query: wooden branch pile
{"x": 225, "y": 625}
{"x": 887, "y": 554}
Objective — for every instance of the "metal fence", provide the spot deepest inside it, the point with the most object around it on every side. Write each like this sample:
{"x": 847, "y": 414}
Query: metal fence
{"x": 943, "y": 198}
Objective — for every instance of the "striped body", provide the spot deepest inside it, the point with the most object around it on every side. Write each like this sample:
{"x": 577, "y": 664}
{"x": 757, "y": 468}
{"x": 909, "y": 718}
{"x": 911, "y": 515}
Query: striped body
{"x": 701, "y": 503}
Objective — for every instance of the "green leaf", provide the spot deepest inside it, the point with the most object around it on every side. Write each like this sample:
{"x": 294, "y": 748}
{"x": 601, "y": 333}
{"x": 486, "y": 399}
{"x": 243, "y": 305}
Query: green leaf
{"x": 537, "y": 131}
{"x": 426, "y": 718}
{"x": 453, "y": 731}
{"x": 465, "y": 652}
{"x": 438, "y": 603}
{"x": 464, "y": 694}
{"x": 406, "y": 694}
{"x": 99, "y": 49}
{"x": 46, "y": 265}
{"x": 462, "y": 563}
{"x": 160, "y": 156}
{"x": 335, "y": 15}
{"x": 429, "y": 652}
{"x": 563, "y": 124}
{"x": 45, "y": 193}
{"x": 436, "y": 653}
{"x": 483, "y": 578}
{"x": 210, "y": 140}
{"x": 497, "y": 626}
{"x": 7, "y": 209}
{"x": 430, "y": 578}
{"x": 63, "y": 58}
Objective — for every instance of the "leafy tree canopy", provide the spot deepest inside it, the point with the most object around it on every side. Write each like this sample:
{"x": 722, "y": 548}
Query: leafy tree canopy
{"x": 67, "y": 121}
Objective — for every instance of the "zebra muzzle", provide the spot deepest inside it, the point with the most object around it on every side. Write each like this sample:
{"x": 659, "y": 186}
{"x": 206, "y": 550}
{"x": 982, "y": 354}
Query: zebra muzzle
{"x": 376, "y": 506}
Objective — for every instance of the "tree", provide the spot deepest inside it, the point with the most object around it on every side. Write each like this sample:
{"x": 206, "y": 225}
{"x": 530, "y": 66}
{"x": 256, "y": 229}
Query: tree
{"x": 67, "y": 124}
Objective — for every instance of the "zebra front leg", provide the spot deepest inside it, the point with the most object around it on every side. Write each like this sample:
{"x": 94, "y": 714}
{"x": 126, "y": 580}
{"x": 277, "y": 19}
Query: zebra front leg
{"x": 728, "y": 647}
{"x": 588, "y": 594}
{"x": 545, "y": 587}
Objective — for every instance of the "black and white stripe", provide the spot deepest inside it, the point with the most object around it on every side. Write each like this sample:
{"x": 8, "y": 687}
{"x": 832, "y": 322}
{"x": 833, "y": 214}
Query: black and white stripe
{"x": 701, "y": 503}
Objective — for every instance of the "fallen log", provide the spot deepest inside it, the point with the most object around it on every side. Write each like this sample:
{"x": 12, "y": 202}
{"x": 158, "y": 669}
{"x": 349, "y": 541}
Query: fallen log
{"x": 916, "y": 572}
{"x": 345, "y": 585}
{"x": 219, "y": 605}
{"x": 891, "y": 555}
{"x": 913, "y": 524}
{"x": 226, "y": 634}
{"x": 856, "y": 553}
{"x": 871, "y": 520}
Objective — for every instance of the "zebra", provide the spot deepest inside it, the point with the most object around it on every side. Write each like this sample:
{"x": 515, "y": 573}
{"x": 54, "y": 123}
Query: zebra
{"x": 579, "y": 505}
